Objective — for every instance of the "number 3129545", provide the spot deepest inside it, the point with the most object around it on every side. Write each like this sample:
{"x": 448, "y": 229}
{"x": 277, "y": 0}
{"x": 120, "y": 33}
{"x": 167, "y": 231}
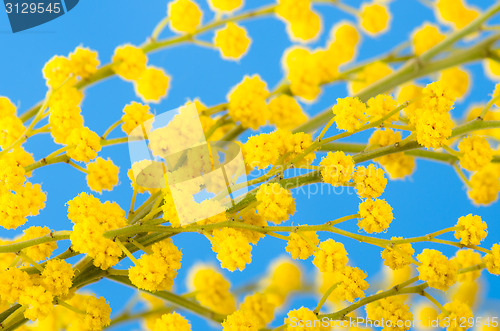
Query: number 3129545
{"x": 32, "y": 8}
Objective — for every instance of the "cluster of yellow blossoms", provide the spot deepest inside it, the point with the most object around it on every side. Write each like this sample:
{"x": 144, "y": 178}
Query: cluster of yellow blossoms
{"x": 37, "y": 286}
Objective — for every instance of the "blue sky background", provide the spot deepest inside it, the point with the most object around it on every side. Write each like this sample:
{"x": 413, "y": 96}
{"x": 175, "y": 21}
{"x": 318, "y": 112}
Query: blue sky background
{"x": 432, "y": 199}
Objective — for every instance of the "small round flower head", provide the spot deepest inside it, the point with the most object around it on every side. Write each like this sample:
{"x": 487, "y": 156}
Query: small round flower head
{"x": 184, "y": 16}
{"x": 152, "y": 85}
{"x": 393, "y": 311}
{"x": 344, "y": 40}
{"x": 7, "y": 108}
{"x": 456, "y": 311}
{"x": 65, "y": 96}
{"x": 172, "y": 322}
{"x": 477, "y": 152}
{"x": 472, "y": 230}
{"x": 57, "y": 277}
{"x": 260, "y": 151}
{"x": 85, "y": 144}
{"x": 455, "y": 13}
{"x": 285, "y": 276}
{"x": 425, "y": 37}
{"x": 57, "y": 71}
{"x": 397, "y": 256}
{"x": 232, "y": 248}
{"x": 134, "y": 115}
{"x": 13, "y": 282}
{"x": 467, "y": 258}
{"x": 83, "y": 208}
{"x": 88, "y": 238}
{"x": 337, "y": 168}
{"x": 129, "y": 62}
{"x": 84, "y": 62}
{"x": 437, "y": 97}
{"x": 456, "y": 82}
{"x": 276, "y": 203}
{"x": 97, "y": 313}
{"x": 437, "y": 269}
{"x": 232, "y": 41}
{"x": 399, "y": 166}
{"x": 151, "y": 273}
{"x": 20, "y": 157}
{"x": 285, "y": 112}
{"x": 157, "y": 271}
{"x": 247, "y": 102}
{"x": 12, "y": 129}
{"x": 225, "y": 6}
{"x": 37, "y": 301}
{"x": 102, "y": 175}
{"x": 302, "y": 319}
{"x": 380, "y": 106}
{"x": 374, "y": 18}
{"x": 305, "y": 27}
{"x": 253, "y": 218}
{"x": 63, "y": 119}
{"x": 368, "y": 75}
{"x": 331, "y": 256}
{"x": 240, "y": 320}
{"x": 13, "y": 210}
{"x": 12, "y": 176}
{"x": 426, "y": 312}
{"x": 370, "y": 181}
{"x": 413, "y": 93}
{"x": 433, "y": 128}
{"x": 42, "y": 251}
{"x": 260, "y": 307}
{"x": 212, "y": 289}
{"x": 352, "y": 284}
{"x": 350, "y": 114}
{"x": 492, "y": 260}
{"x": 302, "y": 244}
{"x": 484, "y": 186}
{"x": 303, "y": 72}
{"x": 169, "y": 252}
{"x": 375, "y": 215}
{"x": 466, "y": 292}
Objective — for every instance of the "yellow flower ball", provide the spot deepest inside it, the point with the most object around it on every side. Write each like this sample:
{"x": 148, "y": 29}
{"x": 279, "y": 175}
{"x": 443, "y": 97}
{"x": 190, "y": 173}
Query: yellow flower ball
{"x": 84, "y": 62}
{"x": 492, "y": 260}
{"x": 477, "y": 152}
{"x": 247, "y": 102}
{"x": 337, "y": 168}
{"x": 152, "y": 85}
{"x": 129, "y": 62}
{"x": 134, "y": 115}
{"x": 425, "y": 37}
{"x": 102, "y": 175}
{"x": 436, "y": 269}
{"x": 184, "y": 16}
{"x": 232, "y": 40}
{"x": 331, "y": 256}
{"x": 172, "y": 322}
{"x": 84, "y": 144}
{"x": 375, "y": 215}
{"x": 397, "y": 256}
{"x": 374, "y": 18}
{"x": 370, "y": 181}
{"x": 225, "y": 6}
{"x": 350, "y": 114}
{"x": 7, "y": 108}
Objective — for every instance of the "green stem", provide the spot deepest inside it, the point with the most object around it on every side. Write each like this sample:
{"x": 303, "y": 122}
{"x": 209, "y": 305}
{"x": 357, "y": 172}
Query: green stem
{"x": 177, "y": 300}
{"x": 18, "y": 246}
